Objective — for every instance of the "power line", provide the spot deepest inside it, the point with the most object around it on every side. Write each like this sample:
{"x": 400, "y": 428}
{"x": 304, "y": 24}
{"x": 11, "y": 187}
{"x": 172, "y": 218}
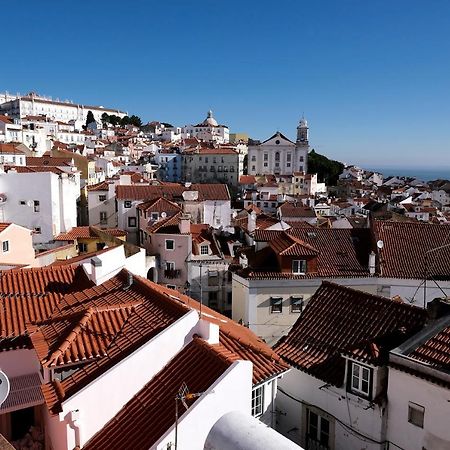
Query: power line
{"x": 352, "y": 431}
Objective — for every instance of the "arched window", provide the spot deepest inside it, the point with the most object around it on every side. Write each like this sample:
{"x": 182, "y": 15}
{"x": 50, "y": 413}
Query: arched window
{"x": 277, "y": 156}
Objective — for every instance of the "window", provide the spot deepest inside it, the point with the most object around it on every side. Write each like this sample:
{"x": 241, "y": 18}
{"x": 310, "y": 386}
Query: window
{"x": 82, "y": 247}
{"x": 360, "y": 379}
{"x": 37, "y": 230}
{"x": 103, "y": 218}
{"x": 131, "y": 221}
{"x": 204, "y": 249}
{"x": 288, "y": 157}
{"x": 170, "y": 244}
{"x": 127, "y": 203}
{"x": 257, "y": 401}
{"x": 154, "y": 216}
{"x": 102, "y": 197}
{"x": 318, "y": 430}
{"x": 253, "y": 168}
{"x": 254, "y": 158}
{"x": 36, "y": 206}
{"x": 170, "y": 265}
{"x": 265, "y": 164}
{"x": 276, "y": 304}
{"x": 5, "y": 246}
{"x": 171, "y": 286}
{"x": 277, "y": 156}
{"x": 301, "y": 158}
{"x": 212, "y": 299}
{"x": 296, "y": 304}
{"x": 266, "y": 156}
{"x": 22, "y": 202}
{"x": 299, "y": 266}
{"x": 416, "y": 414}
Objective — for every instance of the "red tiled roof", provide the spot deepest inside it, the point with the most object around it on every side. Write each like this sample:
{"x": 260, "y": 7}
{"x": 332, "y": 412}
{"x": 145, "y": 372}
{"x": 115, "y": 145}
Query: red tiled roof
{"x": 88, "y": 232}
{"x": 342, "y": 253}
{"x": 35, "y": 161}
{"x": 291, "y": 210}
{"x": 157, "y": 310}
{"x": 10, "y": 148}
{"x": 151, "y": 410}
{"x": 287, "y": 245}
{"x": 26, "y": 169}
{"x": 171, "y": 221}
{"x": 103, "y": 186}
{"x": 172, "y": 192}
{"x": 405, "y": 245}
{"x": 30, "y": 295}
{"x": 159, "y": 205}
{"x": 4, "y": 226}
{"x": 247, "y": 179}
{"x": 339, "y": 320}
{"x": 5, "y": 119}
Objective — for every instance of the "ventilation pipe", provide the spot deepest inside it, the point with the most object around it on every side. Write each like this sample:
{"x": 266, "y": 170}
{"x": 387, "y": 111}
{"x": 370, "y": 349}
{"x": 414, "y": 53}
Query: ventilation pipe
{"x": 372, "y": 259}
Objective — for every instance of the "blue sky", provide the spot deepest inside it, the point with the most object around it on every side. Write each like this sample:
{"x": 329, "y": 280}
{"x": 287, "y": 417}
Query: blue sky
{"x": 371, "y": 77}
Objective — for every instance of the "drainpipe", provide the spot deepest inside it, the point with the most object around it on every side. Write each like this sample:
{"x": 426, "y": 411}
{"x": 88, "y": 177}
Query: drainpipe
{"x": 74, "y": 423}
{"x": 273, "y": 410}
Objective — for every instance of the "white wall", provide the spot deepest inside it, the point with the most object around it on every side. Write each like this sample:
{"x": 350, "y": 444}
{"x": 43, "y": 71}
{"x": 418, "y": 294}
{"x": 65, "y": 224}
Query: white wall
{"x": 435, "y": 434}
{"x": 110, "y": 389}
{"x": 348, "y": 408}
{"x": 231, "y": 392}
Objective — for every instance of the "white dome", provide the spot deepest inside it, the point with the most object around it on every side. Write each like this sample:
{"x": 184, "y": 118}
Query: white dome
{"x": 303, "y": 123}
{"x": 210, "y": 120}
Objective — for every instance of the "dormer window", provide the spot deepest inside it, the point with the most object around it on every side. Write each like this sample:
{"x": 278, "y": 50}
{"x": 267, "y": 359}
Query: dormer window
{"x": 154, "y": 216}
{"x": 299, "y": 266}
{"x": 204, "y": 249}
{"x": 360, "y": 379}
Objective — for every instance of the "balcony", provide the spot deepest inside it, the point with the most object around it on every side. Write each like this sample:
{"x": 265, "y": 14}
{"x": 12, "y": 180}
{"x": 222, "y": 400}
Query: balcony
{"x": 172, "y": 273}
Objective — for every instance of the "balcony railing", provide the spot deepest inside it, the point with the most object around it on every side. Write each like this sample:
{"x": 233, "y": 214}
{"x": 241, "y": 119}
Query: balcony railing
{"x": 314, "y": 444}
{"x": 172, "y": 273}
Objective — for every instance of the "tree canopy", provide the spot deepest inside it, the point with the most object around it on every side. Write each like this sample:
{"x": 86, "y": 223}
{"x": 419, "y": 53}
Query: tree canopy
{"x": 327, "y": 170}
{"x": 90, "y": 118}
{"x": 116, "y": 120}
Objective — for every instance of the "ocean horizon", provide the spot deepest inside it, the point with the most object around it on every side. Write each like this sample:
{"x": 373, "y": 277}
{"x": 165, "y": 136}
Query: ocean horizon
{"x": 423, "y": 174}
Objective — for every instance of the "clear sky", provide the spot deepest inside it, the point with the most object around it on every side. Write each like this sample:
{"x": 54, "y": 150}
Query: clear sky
{"x": 372, "y": 77}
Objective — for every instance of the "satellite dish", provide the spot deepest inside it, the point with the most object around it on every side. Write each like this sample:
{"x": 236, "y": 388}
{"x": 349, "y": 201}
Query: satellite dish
{"x": 163, "y": 215}
{"x": 4, "y": 387}
{"x": 380, "y": 244}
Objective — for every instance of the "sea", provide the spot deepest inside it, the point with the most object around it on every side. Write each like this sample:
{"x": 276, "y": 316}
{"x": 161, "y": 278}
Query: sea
{"x": 422, "y": 174}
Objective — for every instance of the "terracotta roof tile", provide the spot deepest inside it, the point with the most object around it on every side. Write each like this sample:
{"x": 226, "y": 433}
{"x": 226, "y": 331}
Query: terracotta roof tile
{"x": 87, "y": 232}
{"x": 11, "y": 148}
{"x": 339, "y": 320}
{"x": 287, "y": 245}
{"x": 151, "y": 410}
{"x": 159, "y": 204}
{"x": 103, "y": 186}
{"x": 405, "y": 245}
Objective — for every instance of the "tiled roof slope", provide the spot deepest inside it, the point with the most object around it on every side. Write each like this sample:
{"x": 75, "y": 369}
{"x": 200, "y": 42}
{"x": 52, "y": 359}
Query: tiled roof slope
{"x": 87, "y": 232}
{"x": 339, "y": 320}
{"x": 405, "y": 244}
{"x": 435, "y": 351}
{"x": 172, "y": 192}
{"x": 30, "y": 295}
{"x": 157, "y": 310}
{"x": 342, "y": 253}
{"x": 151, "y": 411}
{"x": 159, "y": 204}
{"x": 287, "y": 245}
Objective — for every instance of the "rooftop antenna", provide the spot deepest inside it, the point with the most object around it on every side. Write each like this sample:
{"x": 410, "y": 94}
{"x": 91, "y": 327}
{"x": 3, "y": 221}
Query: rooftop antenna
{"x": 183, "y": 395}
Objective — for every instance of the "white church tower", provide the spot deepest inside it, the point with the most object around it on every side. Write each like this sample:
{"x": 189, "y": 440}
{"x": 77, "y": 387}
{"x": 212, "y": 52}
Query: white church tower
{"x": 279, "y": 155}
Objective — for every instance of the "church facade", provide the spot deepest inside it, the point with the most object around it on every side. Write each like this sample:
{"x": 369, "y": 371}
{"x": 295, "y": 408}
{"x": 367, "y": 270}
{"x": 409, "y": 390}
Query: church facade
{"x": 279, "y": 155}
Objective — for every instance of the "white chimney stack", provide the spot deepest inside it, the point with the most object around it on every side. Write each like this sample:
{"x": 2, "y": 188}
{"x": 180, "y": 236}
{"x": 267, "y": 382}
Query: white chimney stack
{"x": 251, "y": 222}
{"x": 372, "y": 259}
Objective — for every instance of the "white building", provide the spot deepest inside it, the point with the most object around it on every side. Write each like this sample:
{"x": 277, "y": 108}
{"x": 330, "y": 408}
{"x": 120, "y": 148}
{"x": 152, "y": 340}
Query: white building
{"x": 33, "y": 104}
{"x": 159, "y": 345}
{"x": 208, "y": 130}
{"x": 335, "y": 396}
{"x": 279, "y": 155}
{"x": 43, "y": 201}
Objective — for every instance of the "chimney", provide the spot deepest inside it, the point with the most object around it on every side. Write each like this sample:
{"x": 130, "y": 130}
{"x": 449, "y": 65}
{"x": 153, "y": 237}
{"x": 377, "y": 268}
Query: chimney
{"x": 437, "y": 308}
{"x": 96, "y": 264}
{"x": 251, "y": 222}
{"x": 243, "y": 261}
{"x": 129, "y": 280}
{"x": 185, "y": 224}
{"x": 372, "y": 260}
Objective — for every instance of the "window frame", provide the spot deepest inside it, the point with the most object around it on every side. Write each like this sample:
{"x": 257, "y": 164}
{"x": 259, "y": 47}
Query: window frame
{"x": 202, "y": 248}
{"x": 173, "y": 244}
{"x": 127, "y": 204}
{"x": 102, "y": 197}
{"x": 316, "y": 432}
{"x": 132, "y": 219}
{"x": 7, "y": 246}
{"x": 301, "y": 262}
{"x": 276, "y": 305}
{"x": 415, "y": 407}
{"x": 293, "y": 305}
{"x": 359, "y": 376}
{"x": 258, "y": 401}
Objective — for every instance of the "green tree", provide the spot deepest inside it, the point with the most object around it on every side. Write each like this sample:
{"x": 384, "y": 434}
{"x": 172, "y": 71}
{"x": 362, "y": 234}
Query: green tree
{"x": 136, "y": 121}
{"x": 125, "y": 120}
{"x": 90, "y": 118}
{"x": 114, "y": 120}
{"x": 327, "y": 170}
{"x": 105, "y": 118}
